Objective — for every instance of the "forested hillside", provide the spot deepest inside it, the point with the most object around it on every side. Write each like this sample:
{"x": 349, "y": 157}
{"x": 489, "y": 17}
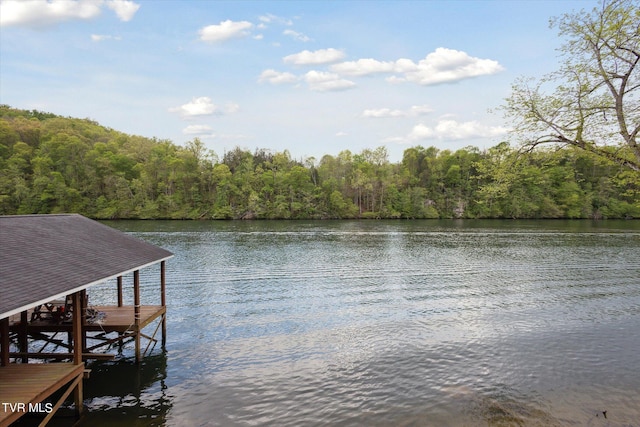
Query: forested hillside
{"x": 53, "y": 164}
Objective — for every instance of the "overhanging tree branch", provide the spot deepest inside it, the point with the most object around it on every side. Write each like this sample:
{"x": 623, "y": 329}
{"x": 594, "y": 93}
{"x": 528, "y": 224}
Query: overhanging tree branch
{"x": 599, "y": 75}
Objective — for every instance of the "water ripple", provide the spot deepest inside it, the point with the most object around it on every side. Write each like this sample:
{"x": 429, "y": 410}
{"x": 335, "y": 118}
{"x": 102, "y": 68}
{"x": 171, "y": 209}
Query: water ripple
{"x": 398, "y": 324}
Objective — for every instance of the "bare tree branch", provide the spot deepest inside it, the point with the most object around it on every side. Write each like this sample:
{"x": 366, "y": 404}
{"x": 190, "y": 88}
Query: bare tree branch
{"x": 600, "y": 74}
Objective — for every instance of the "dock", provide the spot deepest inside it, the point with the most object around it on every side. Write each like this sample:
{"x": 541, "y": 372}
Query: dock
{"x": 114, "y": 326}
{"x": 24, "y": 386}
{"x": 47, "y": 265}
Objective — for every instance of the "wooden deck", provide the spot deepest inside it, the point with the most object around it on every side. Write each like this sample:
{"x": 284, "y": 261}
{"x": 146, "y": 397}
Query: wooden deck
{"x": 32, "y": 383}
{"x": 110, "y": 319}
{"x": 121, "y": 319}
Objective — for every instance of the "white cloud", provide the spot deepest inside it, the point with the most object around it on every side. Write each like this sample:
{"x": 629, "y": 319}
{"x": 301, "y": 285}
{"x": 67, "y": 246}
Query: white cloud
{"x": 454, "y": 130}
{"x": 414, "y": 110}
{"x": 202, "y": 106}
{"x": 441, "y": 66}
{"x": 197, "y": 130}
{"x": 341, "y": 134}
{"x": 383, "y": 112}
{"x": 321, "y": 81}
{"x": 125, "y": 9}
{"x": 321, "y": 56}
{"x": 103, "y": 37}
{"x": 276, "y": 77}
{"x": 422, "y": 131}
{"x": 296, "y": 35}
{"x": 363, "y": 67}
{"x": 417, "y": 110}
{"x": 226, "y": 30}
{"x": 41, "y": 13}
{"x": 445, "y": 66}
{"x": 271, "y": 18}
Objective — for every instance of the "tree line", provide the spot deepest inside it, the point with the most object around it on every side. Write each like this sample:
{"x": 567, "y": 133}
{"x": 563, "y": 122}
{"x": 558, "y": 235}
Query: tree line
{"x": 54, "y": 164}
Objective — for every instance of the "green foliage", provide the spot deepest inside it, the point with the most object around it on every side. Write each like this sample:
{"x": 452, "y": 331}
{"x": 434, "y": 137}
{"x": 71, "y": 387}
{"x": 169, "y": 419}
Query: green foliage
{"x": 591, "y": 102}
{"x": 52, "y": 164}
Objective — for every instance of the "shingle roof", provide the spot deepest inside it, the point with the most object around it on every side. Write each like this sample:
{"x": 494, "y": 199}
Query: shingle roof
{"x": 44, "y": 257}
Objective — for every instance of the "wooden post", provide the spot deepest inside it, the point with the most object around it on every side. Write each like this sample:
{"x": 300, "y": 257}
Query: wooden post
{"x": 119, "y": 291}
{"x": 120, "y": 343}
{"x": 76, "y": 328}
{"x": 83, "y": 318}
{"x": 78, "y": 398}
{"x": 136, "y": 311}
{"x": 4, "y": 334}
{"x": 22, "y": 336}
{"x": 163, "y": 302}
{"x": 78, "y": 341}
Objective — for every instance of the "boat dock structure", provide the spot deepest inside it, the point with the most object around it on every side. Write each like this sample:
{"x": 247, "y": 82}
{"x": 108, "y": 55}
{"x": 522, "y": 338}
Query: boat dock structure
{"x": 48, "y": 328}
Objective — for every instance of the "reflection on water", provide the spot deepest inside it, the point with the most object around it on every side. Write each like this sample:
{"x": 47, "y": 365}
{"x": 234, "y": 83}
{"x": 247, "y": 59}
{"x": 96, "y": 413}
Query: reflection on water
{"x": 435, "y": 323}
{"x": 122, "y": 390}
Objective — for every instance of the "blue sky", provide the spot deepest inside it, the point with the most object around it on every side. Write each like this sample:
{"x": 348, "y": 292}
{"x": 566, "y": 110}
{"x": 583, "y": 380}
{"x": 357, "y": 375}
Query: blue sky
{"x": 314, "y": 78}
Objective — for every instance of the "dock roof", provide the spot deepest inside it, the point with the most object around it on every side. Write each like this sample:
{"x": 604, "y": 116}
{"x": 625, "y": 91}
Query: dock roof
{"x": 44, "y": 257}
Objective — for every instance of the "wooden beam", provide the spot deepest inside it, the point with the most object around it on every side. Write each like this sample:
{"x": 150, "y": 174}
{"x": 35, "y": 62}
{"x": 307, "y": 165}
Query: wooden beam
{"x": 78, "y": 391}
{"x": 52, "y": 340}
{"x": 122, "y": 336}
{"x": 152, "y": 339}
{"x": 23, "y": 337}
{"x": 163, "y": 301}
{"x": 77, "y": 328}
{"x": 136, "y": 310}
{"x": 4, "y": 341}
{"x": 83, "y": 311}
{"x": 79, "y": 342}
{"x": 119, "y": 291}
{"x": 85, "y": 356}
{"x": 74, "y": 386}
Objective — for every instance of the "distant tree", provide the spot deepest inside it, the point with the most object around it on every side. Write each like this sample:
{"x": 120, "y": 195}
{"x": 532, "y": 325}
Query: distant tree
{"x": 51, "y": 164}
{"x": 595, "y": 103}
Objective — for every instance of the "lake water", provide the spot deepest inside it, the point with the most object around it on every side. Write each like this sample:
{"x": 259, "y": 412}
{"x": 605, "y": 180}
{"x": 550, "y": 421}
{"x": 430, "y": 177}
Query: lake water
{"x": 385, "y": 323}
